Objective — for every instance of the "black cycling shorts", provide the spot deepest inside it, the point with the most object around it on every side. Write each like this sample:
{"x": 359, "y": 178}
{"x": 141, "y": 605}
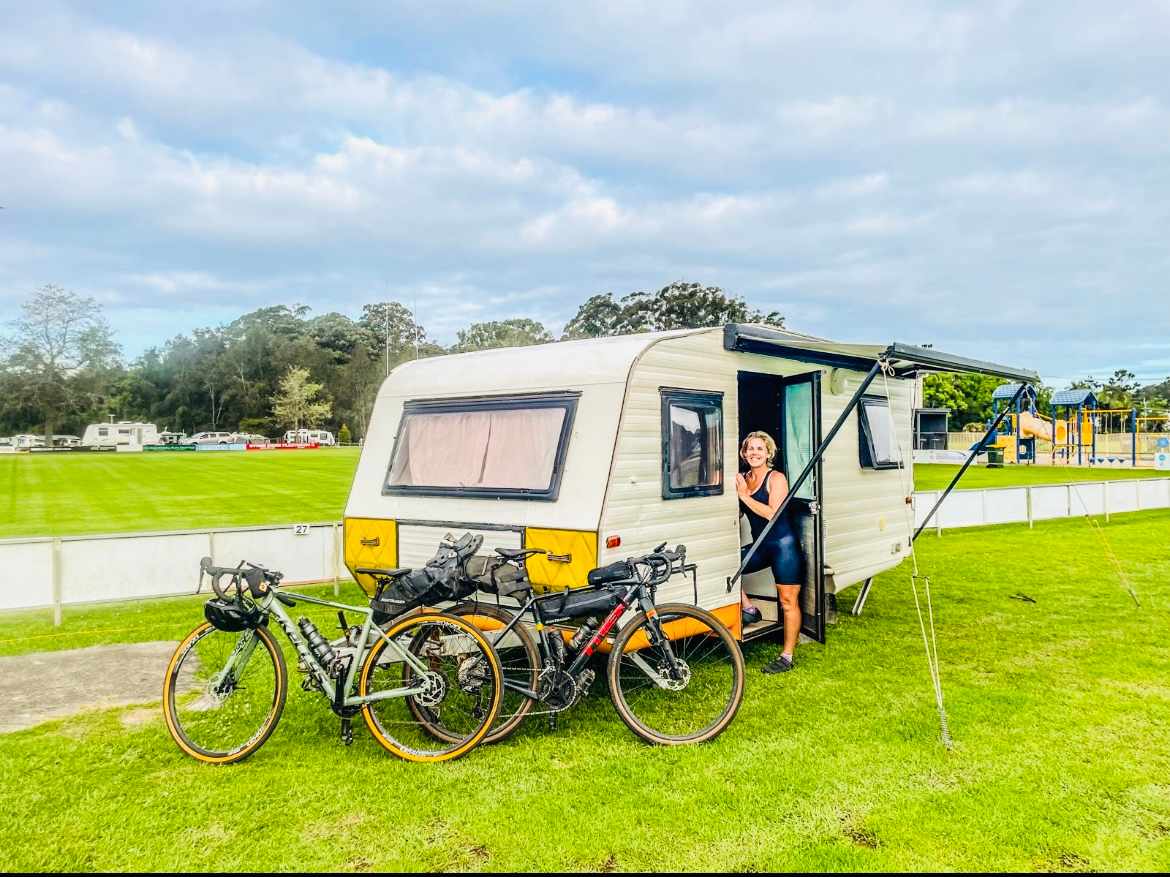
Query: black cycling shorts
{"x": 783, "y": 556}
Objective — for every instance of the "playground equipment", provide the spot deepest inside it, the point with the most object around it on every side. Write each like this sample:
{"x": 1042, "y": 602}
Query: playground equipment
{"x": 1016, "y": 435}
{"x": 1079, "y": 422}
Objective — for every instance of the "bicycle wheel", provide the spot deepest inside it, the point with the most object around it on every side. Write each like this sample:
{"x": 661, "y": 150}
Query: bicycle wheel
{"x": 460, "y": 691}
{"x": 519, "y": 660}
{"x": 693, "y": 708}
{"x": 223, "y": 693}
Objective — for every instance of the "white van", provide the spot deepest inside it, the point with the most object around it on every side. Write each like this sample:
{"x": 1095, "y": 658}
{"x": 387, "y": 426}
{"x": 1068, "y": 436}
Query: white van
{"x": 601, "y": 449}
{"x": 213, "y": 438}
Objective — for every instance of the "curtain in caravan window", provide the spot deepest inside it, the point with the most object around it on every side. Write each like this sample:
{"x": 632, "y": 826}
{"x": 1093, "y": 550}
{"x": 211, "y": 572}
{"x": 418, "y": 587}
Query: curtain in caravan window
{"x": 798, "y": 434}
{"x": 508, "y": 449}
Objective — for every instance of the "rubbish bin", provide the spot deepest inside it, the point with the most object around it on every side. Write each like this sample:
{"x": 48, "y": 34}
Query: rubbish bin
{"x": 995, "y": 458}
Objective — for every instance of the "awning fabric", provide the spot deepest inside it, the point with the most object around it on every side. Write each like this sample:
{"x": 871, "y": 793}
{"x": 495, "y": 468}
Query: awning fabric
{"x": 905, "y": 358}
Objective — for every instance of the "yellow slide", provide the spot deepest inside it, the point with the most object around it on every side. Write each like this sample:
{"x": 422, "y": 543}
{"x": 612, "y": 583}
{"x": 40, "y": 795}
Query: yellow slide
{"x": 1032, "y": 426}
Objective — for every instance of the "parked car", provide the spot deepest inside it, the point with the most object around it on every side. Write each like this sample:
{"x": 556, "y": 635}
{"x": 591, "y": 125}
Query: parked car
{"x": 213, "y": 438}
{"x": 252, "y": 438}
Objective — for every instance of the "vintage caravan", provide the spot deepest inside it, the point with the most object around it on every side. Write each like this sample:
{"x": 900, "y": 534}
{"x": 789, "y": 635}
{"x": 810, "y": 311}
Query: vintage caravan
{"x": 600, "y": 449}
{"x": 122, "y": 434}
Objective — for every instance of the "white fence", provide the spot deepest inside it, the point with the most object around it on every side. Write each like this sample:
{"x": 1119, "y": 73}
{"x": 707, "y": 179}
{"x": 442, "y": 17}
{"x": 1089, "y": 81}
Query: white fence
{"x": 85, "y": 569}
{"x": 127, "y": 566}
{"x": 1038, "y": 502}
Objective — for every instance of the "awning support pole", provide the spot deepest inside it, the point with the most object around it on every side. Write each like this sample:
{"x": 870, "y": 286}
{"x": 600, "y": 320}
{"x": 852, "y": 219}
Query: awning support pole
{"x": 817, "y": 454}
{"x": 970, "y": 457}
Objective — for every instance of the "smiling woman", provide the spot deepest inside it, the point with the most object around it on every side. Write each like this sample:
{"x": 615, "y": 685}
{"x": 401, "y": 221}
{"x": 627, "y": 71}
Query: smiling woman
{"x": 65, "y": 495}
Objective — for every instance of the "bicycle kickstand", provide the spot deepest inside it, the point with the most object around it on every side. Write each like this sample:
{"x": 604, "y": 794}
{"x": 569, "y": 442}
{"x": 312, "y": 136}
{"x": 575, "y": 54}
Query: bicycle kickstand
{"x": 347, "y": 731}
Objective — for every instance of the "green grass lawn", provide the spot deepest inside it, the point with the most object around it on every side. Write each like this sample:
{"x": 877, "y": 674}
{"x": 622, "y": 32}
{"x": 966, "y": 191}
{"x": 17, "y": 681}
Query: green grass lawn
{"x": 936, "y": 476}
{"x": 72, "y": 494}
{"x": 1060, "y": 710}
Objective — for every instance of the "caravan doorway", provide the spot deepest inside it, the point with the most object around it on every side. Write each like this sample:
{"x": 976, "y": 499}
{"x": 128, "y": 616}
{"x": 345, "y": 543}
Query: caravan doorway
{"x": 789, "y": 410}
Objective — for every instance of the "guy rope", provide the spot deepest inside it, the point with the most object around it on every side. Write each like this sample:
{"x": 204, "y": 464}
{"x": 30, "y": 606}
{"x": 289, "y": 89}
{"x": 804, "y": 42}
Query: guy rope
{"x": 929, "y": 642}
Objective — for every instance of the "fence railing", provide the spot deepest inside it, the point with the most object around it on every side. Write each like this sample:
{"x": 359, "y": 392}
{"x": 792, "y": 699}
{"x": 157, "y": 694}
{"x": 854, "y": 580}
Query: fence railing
{"x": 1037, "y": 502}
{"x": 60, "y": 571}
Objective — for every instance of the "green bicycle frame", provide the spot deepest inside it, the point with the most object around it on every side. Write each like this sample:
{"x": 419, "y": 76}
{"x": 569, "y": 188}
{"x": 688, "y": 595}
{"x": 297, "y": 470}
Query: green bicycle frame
{"x": 271, "y": 604}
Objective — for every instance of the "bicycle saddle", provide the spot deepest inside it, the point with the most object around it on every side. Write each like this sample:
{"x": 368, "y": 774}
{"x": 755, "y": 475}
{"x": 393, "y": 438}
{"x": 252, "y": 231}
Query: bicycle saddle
{"x": 518, "y": 553}
{"x": 387, "y": 573}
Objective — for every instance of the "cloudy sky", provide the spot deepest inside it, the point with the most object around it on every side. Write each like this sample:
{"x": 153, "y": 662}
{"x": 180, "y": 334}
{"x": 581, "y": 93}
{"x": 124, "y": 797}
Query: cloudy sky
{"x": 991, "y": 177}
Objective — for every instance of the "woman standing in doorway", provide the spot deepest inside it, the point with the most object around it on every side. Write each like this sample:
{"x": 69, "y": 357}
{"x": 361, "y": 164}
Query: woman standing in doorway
{"x": 761, "y": 491}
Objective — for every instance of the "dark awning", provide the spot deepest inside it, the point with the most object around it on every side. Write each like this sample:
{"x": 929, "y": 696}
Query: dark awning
{"x": 905, "y": 358}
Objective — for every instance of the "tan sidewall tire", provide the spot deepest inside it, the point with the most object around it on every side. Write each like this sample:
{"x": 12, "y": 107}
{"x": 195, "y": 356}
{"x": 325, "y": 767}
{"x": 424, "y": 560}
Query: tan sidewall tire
{"x": 615, "y": 660}
{"x": 372, "y": 658}
{"x": 507, "y": 727}
{"x": 272, "y": 721}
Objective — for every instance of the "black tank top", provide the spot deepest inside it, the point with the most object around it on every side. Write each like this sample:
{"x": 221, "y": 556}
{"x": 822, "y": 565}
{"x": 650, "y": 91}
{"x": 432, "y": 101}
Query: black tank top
{"x": 782, "y": 527}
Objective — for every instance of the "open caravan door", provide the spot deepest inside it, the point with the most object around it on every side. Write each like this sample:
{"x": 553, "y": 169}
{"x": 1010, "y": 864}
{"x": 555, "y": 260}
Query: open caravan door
{"x": 801, "y": 399}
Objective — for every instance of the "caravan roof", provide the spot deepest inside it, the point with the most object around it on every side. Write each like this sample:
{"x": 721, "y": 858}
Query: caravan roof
{"x": 608, "y": 360}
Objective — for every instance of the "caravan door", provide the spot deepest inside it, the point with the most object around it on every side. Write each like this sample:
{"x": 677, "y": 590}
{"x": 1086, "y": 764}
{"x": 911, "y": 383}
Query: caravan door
{"x": 789, "y": 409}
{"x": 801, "y": 411}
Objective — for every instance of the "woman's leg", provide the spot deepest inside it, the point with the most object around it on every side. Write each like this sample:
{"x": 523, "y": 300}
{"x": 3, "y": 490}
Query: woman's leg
{"x": 762, "y": 559}
{"x": 790, "y": 602}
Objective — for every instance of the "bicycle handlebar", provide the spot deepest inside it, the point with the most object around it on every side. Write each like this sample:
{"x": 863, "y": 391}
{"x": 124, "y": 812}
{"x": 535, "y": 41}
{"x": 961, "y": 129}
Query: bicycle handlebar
{"x": 255, "y": 576}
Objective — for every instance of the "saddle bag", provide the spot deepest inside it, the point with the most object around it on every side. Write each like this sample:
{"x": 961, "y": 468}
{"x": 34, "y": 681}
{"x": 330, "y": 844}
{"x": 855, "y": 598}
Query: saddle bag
{"x": 440, "y": 581}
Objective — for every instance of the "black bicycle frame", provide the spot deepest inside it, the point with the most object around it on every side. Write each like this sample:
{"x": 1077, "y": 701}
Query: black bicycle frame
{"x": 634, "y": 591}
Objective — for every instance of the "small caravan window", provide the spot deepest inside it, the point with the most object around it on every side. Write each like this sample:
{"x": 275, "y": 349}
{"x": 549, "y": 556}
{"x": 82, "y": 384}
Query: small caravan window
{"x": 878, "y": 447}
{"x": 103, "y": 432}
{"x": 492, "y": 448}
{"x": 692, "y": 443}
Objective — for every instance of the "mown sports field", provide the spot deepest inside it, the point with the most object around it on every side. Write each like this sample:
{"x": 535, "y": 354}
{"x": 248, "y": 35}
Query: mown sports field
{"x": 74, "y": 494}
{"x": 1059, "y": 705}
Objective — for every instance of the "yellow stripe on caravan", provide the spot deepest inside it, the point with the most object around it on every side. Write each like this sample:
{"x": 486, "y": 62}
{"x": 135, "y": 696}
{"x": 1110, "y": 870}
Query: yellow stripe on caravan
{"x": 370, "y": 542}
{"x": 571, "y": 555}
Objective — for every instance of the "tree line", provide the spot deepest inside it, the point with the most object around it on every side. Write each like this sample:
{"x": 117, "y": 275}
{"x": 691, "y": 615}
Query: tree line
{"x": 282, "y": 367}
{"x": 278, "y": 367}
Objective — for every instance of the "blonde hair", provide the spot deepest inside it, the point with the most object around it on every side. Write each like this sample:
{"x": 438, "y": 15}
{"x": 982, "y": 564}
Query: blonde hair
{"x": 769, "y": 445}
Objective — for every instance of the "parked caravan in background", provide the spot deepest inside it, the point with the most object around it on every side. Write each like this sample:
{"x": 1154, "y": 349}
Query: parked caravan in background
{"x": 122, "y": 434}
{"x": 309, "y": 437}
{"x": 172, "y": 438}
{"x": 24, "y": 441}
{"x": 600, "y": 449}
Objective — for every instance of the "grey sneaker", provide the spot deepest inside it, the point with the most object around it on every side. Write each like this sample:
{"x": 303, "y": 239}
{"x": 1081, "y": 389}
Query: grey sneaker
{"x": 750, "y": 615}
{"x": 780, "y": 664}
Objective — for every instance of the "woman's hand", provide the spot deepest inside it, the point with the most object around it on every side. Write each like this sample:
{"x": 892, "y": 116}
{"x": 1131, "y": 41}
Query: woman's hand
{"x": 741, "y": 486}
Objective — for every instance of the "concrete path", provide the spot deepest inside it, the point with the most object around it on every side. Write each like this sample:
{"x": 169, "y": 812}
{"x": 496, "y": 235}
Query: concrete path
{"x": 52, "y": 685}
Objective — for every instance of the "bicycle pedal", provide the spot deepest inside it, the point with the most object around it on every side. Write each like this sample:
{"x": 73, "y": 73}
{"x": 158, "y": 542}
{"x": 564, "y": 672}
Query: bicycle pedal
{"x": 347, "y": 732}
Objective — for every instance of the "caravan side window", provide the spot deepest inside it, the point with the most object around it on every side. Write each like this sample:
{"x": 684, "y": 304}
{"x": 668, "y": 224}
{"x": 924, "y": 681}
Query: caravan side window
{"x": 491, "y": 448}
{"x": 692, "y": 443}
{"x": 878, "y": 447}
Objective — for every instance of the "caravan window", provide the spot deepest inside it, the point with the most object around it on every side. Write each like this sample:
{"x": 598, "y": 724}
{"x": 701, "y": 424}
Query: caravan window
{"x": 878, "y": 447}
{"x": 507, "y": 447}
{"x": 692, "y": 443}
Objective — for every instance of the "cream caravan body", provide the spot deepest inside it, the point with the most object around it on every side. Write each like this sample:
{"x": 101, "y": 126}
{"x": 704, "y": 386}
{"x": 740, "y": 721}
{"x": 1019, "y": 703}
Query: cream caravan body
{"x": 626, "y": 465}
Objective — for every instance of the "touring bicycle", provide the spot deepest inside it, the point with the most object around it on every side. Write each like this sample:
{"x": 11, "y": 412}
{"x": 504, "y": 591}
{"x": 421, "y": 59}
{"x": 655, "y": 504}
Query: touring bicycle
{"x": 599, "y": 449}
